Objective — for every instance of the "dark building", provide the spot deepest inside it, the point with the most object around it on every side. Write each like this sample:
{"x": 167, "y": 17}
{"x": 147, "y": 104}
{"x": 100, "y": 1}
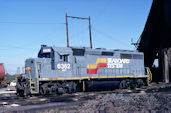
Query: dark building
{"x": 155, "y": 41}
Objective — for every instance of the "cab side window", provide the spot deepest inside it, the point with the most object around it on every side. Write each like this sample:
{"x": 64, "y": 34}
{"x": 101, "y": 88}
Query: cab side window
{"x": 63, "y": 58}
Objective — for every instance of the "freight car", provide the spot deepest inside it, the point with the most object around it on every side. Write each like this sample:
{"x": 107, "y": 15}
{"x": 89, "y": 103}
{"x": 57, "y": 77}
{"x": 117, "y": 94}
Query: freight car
{"x": 2, "y": 75}
{"x": 67, "y": 70}
{"x": 2, "y": 72}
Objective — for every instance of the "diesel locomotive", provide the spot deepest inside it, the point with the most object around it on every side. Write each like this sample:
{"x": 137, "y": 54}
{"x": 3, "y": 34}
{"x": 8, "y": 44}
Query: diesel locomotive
{"x": 70, "y": 69}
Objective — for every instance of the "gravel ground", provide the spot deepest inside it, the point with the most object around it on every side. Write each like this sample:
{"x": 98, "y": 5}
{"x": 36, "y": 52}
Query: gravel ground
{"x": 120, "y": 103}
{"x": 153, "y": 99}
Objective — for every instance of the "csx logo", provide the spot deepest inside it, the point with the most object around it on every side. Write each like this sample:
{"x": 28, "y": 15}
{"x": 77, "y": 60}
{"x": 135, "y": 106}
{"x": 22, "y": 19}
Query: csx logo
{"x": 63, "y": 67}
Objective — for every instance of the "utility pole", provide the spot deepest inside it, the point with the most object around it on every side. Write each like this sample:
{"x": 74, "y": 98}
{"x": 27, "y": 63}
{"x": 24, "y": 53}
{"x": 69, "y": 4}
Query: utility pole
{"x": 90, "y": 33}
{"x": 81, "y": 19}
{"x": 67, "y": 31}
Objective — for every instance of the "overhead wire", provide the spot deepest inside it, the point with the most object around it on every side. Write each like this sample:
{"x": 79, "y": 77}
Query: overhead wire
{"x": 102, "y": 11}
{"x": 109, "y": 36}
{"x": 76, "y": 20}
{"x": 6, "y": 47}
{"x": 78, "y": 35}
{"x": 1, "y": 22}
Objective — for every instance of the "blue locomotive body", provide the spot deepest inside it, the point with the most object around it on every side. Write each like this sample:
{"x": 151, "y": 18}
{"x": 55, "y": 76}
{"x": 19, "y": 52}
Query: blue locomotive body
{"x": 60, "y": 69}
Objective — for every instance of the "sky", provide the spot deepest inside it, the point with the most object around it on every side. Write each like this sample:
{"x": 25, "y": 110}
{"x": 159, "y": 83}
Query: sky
{"x": 27, "y": 24}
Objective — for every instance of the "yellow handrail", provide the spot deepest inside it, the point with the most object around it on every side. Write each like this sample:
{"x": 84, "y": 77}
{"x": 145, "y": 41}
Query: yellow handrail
{"x": 16, "y": 76}
{"x": 16, "y": 80}
{"x": 149, "y": 74}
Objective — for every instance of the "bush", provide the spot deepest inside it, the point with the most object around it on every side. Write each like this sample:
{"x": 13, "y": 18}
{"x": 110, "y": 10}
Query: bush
{"x": 9, "y": 77}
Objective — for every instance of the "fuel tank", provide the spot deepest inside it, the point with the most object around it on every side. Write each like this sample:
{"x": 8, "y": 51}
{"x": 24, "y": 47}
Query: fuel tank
{"x": 101, "y": 85}
{"x": 2, "y": 72}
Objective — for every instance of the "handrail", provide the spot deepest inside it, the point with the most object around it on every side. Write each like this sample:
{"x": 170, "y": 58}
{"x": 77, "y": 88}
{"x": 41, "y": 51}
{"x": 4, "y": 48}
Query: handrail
{"x": 149, "y": 74}
{"x": 16, "y": 77}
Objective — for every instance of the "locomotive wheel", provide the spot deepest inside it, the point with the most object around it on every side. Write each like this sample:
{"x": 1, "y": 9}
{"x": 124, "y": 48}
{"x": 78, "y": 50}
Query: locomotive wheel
{"x": 74, "y": 86}
{"x": 21, "y": 93}
{"x": 27, "y": 92}
{"x": 44, "y": 90}
{"x": 71, "y": 87}
{"x": 68, "y": 90}
{"x": 60, "y": 88}
{"x": 123, "y": 84}
{"x": 132, "y": 84}
{"x": 20, "y": 90}
{"x": 41, "y": 91}
{"x": 47, "y": 91}
{"x": 140, "y": 83}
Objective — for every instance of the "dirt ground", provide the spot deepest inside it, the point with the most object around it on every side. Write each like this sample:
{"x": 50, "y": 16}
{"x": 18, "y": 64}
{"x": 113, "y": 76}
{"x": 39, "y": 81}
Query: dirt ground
{"x": 152, "y": 99}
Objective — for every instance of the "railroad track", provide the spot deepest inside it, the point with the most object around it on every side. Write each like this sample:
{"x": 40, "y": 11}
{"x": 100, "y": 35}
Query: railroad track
{"x": 11, "y": 103}
{"x": 12, "y": 99}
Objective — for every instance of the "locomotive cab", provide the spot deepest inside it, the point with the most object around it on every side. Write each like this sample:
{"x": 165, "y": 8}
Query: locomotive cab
{"x": 45, "y": 52}
{"x": 52, "y": 63}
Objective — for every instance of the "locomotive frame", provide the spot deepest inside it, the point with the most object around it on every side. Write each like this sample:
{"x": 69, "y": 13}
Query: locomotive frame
{"x": 66, "y": 70}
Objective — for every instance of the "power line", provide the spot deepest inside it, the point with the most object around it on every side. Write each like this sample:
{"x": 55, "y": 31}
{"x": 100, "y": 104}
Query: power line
{"x": 30, "y": 23}
{"x": 9, "y": 47}
{"x": 77, "y": 17}
{"x": 109, "y": 36}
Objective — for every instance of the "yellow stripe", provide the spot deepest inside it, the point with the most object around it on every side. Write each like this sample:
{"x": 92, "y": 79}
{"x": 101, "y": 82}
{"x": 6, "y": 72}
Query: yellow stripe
{"x": 28, "y": 68}
{"x": 33, "y": 87}
{"x": 101, "y": 60}
{"x": 94, "y": 66}
{"x": 91, "y": 66}
{"x": 74, "y": 78}
{"x": 88, "y": 66}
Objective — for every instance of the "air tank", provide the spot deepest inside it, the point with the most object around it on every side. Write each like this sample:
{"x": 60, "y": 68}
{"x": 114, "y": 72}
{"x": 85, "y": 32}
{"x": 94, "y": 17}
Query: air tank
{"x": 2, "y": 72}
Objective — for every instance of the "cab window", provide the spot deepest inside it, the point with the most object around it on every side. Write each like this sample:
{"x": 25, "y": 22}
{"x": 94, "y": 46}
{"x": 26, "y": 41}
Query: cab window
{"x": 63, "y": 58}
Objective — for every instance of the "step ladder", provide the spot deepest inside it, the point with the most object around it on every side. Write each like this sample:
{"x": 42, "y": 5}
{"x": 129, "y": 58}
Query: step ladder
{"x": 33, "y": 86}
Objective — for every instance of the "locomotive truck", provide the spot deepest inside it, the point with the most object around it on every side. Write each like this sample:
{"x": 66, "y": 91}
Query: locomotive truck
{"x": 70, "y": 69}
